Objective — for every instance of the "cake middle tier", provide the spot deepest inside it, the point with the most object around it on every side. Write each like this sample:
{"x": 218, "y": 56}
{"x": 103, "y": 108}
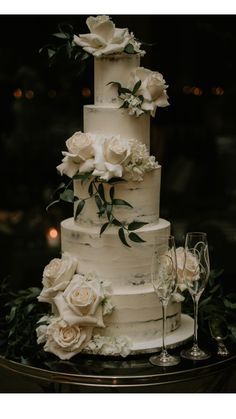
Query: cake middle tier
{"x": 107, "y": 257}
{"x": 140, "y": 195}
{"x": 117, "y": 121}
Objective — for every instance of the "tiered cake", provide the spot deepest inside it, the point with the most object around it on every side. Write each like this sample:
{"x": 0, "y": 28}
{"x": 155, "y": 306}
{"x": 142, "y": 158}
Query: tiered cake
{"x": 100, "y": 290}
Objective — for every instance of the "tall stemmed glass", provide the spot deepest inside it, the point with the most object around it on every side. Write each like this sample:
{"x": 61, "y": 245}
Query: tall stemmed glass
{"x": 164, "y": 279}
{"x": 196, "y": 272}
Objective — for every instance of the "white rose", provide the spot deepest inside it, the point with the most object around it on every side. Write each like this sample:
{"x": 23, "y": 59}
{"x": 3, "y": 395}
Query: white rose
{"x": 80, "y": 155}
{"x": 119, "y": 151}
{"x": 80, "y": 303}
{"x": 189, "y": 272}
{"x": 116, "y": 150}
{"x": 80, "y": 147}
{"x": 56, "y": 276}
{"x": 104, "y": 38}
{"x": 153, "y": 88}
{"x": 65, "y": 340}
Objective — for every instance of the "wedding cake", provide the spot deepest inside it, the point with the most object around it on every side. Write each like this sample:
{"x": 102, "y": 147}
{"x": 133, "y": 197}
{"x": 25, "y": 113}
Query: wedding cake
{"x": 100, "y": 290}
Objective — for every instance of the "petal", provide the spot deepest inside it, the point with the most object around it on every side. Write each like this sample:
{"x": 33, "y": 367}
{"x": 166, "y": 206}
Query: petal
{"x": 68, "y": 167}
{"x": 87, "y": 166}
{"x": 104, "y": 30}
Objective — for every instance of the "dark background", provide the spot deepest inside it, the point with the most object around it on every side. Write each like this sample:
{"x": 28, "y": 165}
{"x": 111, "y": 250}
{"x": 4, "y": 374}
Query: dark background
{"x": 194, "y": 139}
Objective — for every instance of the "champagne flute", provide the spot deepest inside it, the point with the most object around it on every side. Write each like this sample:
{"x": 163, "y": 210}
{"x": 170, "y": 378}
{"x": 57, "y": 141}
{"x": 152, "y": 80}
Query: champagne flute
{"x": 164, "y": 279}
{"x": 196, "y": 272}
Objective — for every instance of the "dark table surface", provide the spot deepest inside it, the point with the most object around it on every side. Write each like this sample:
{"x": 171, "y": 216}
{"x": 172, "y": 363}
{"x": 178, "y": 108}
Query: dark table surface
{"x": 132, "y": 374}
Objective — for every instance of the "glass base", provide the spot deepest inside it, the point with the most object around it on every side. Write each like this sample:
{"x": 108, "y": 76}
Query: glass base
{"x": 195, "y": 354}
{"x": 164, "y": 360}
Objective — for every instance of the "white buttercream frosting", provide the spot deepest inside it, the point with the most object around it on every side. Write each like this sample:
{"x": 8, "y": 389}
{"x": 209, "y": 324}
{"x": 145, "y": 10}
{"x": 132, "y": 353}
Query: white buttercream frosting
{"x": 111, "y": 121}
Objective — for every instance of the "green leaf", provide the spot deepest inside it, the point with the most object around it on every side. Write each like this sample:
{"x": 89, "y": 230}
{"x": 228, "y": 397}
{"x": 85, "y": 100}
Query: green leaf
{"x": 114, "y": 82}
{"x": 51, "y": 52}
{"x": 136, "y": 87}
{"x": 101, "y": 192}
{"x": 12, "y": 314}
{"x": 98, "y": 202}
{"x": 79, "y": 208}
{"x": 117, "y": 222}
{"x": 129, "y": 49}
{"x": 123, "y": 90}
{"x": 135, "y": 238}
{"x": 135, "y": 225}
{"x": 229, "y": 304}
{"x": 103, "y": 228}
{"x": 233, "y": 331}
{"x": 109, "y": 211}
{"x": 112, "y": 192}
{"x": 124, "y": 105}
{"x": 90, "y": 189}
{"x": 67, "y": 196}
{"x": 52, "y": 203}
{"x": 115, "y": 180}
{"x": 122, "y": 237}
{"x": 121, "y": 202}
{"x": 60, "y": 35}
{"x": 81, "y": 176}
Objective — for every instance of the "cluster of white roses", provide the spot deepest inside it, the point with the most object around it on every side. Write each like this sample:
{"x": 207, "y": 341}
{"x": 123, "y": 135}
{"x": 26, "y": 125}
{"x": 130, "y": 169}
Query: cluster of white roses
{"x": 106, "y": 157}
{"x": 78, "y": 305}
{"x": 150, "y": 94}
{"x": 105, "y": 39}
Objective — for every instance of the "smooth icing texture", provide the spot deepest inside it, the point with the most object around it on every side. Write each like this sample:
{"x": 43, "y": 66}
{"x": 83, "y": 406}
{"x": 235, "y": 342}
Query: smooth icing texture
{"x": 139, "y": 194}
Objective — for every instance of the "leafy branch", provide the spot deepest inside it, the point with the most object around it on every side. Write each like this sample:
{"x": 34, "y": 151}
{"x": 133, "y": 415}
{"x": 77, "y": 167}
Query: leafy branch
{"x": 20, "y": 313}
{"x": 64, "y": 47}
{"x": 104, "y": 205}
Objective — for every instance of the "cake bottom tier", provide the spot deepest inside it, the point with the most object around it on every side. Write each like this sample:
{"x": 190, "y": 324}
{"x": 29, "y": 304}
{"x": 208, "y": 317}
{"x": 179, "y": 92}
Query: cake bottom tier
{"x": 136, "y": 320}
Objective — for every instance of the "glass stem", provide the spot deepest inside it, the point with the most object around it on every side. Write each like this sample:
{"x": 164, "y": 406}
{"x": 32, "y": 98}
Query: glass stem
{"x": 164, "y": 306}
{"x": 195, "y": 305}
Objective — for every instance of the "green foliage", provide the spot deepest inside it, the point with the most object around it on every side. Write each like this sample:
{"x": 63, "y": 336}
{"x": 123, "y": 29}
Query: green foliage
{"x": 105, "y": 201}
{"x": 64, "y": 48}
{"x": 215, "y": 308}
{"x": 20, "y": 313}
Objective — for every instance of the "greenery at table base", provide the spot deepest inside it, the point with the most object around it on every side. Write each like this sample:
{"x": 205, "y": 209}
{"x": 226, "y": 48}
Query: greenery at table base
{"x": 20, "y": 312}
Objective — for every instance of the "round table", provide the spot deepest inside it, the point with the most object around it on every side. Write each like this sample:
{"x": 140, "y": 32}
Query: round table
{"x": 132, "y": 374}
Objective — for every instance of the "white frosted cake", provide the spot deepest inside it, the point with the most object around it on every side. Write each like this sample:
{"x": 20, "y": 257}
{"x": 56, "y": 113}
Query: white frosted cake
{"x": 100, "y": 289}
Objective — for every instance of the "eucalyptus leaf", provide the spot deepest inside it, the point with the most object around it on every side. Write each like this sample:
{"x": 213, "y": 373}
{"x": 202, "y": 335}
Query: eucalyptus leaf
{"x": 51, "y": 52}
{"x": 122, "y": 237}
{"x": 135, "y": 238}
{"x": 117, "y": 222}
{"x": 79, "y": 208}
{"x": 99, "y": 202}
{"x": 52, "y": 203}
{"x": 135, "y": 225}
{"x": 121, "y": 202}
{"x": 115, "y": 180}
{"x": 101, "y": 192}
{"x": 112, "y": 192}
{"x": 109, "y": 211}
{"x": 60, "y": 35}
{"x": 90, "y": 189}
{"x": 129, "y": 49}
{"x": 229, "y": 304}
{"x": 67, "y": 196}
{"x": 136, "y": 87}
{"x": 123, "y": 90}
{"x": 103, "y": 228}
